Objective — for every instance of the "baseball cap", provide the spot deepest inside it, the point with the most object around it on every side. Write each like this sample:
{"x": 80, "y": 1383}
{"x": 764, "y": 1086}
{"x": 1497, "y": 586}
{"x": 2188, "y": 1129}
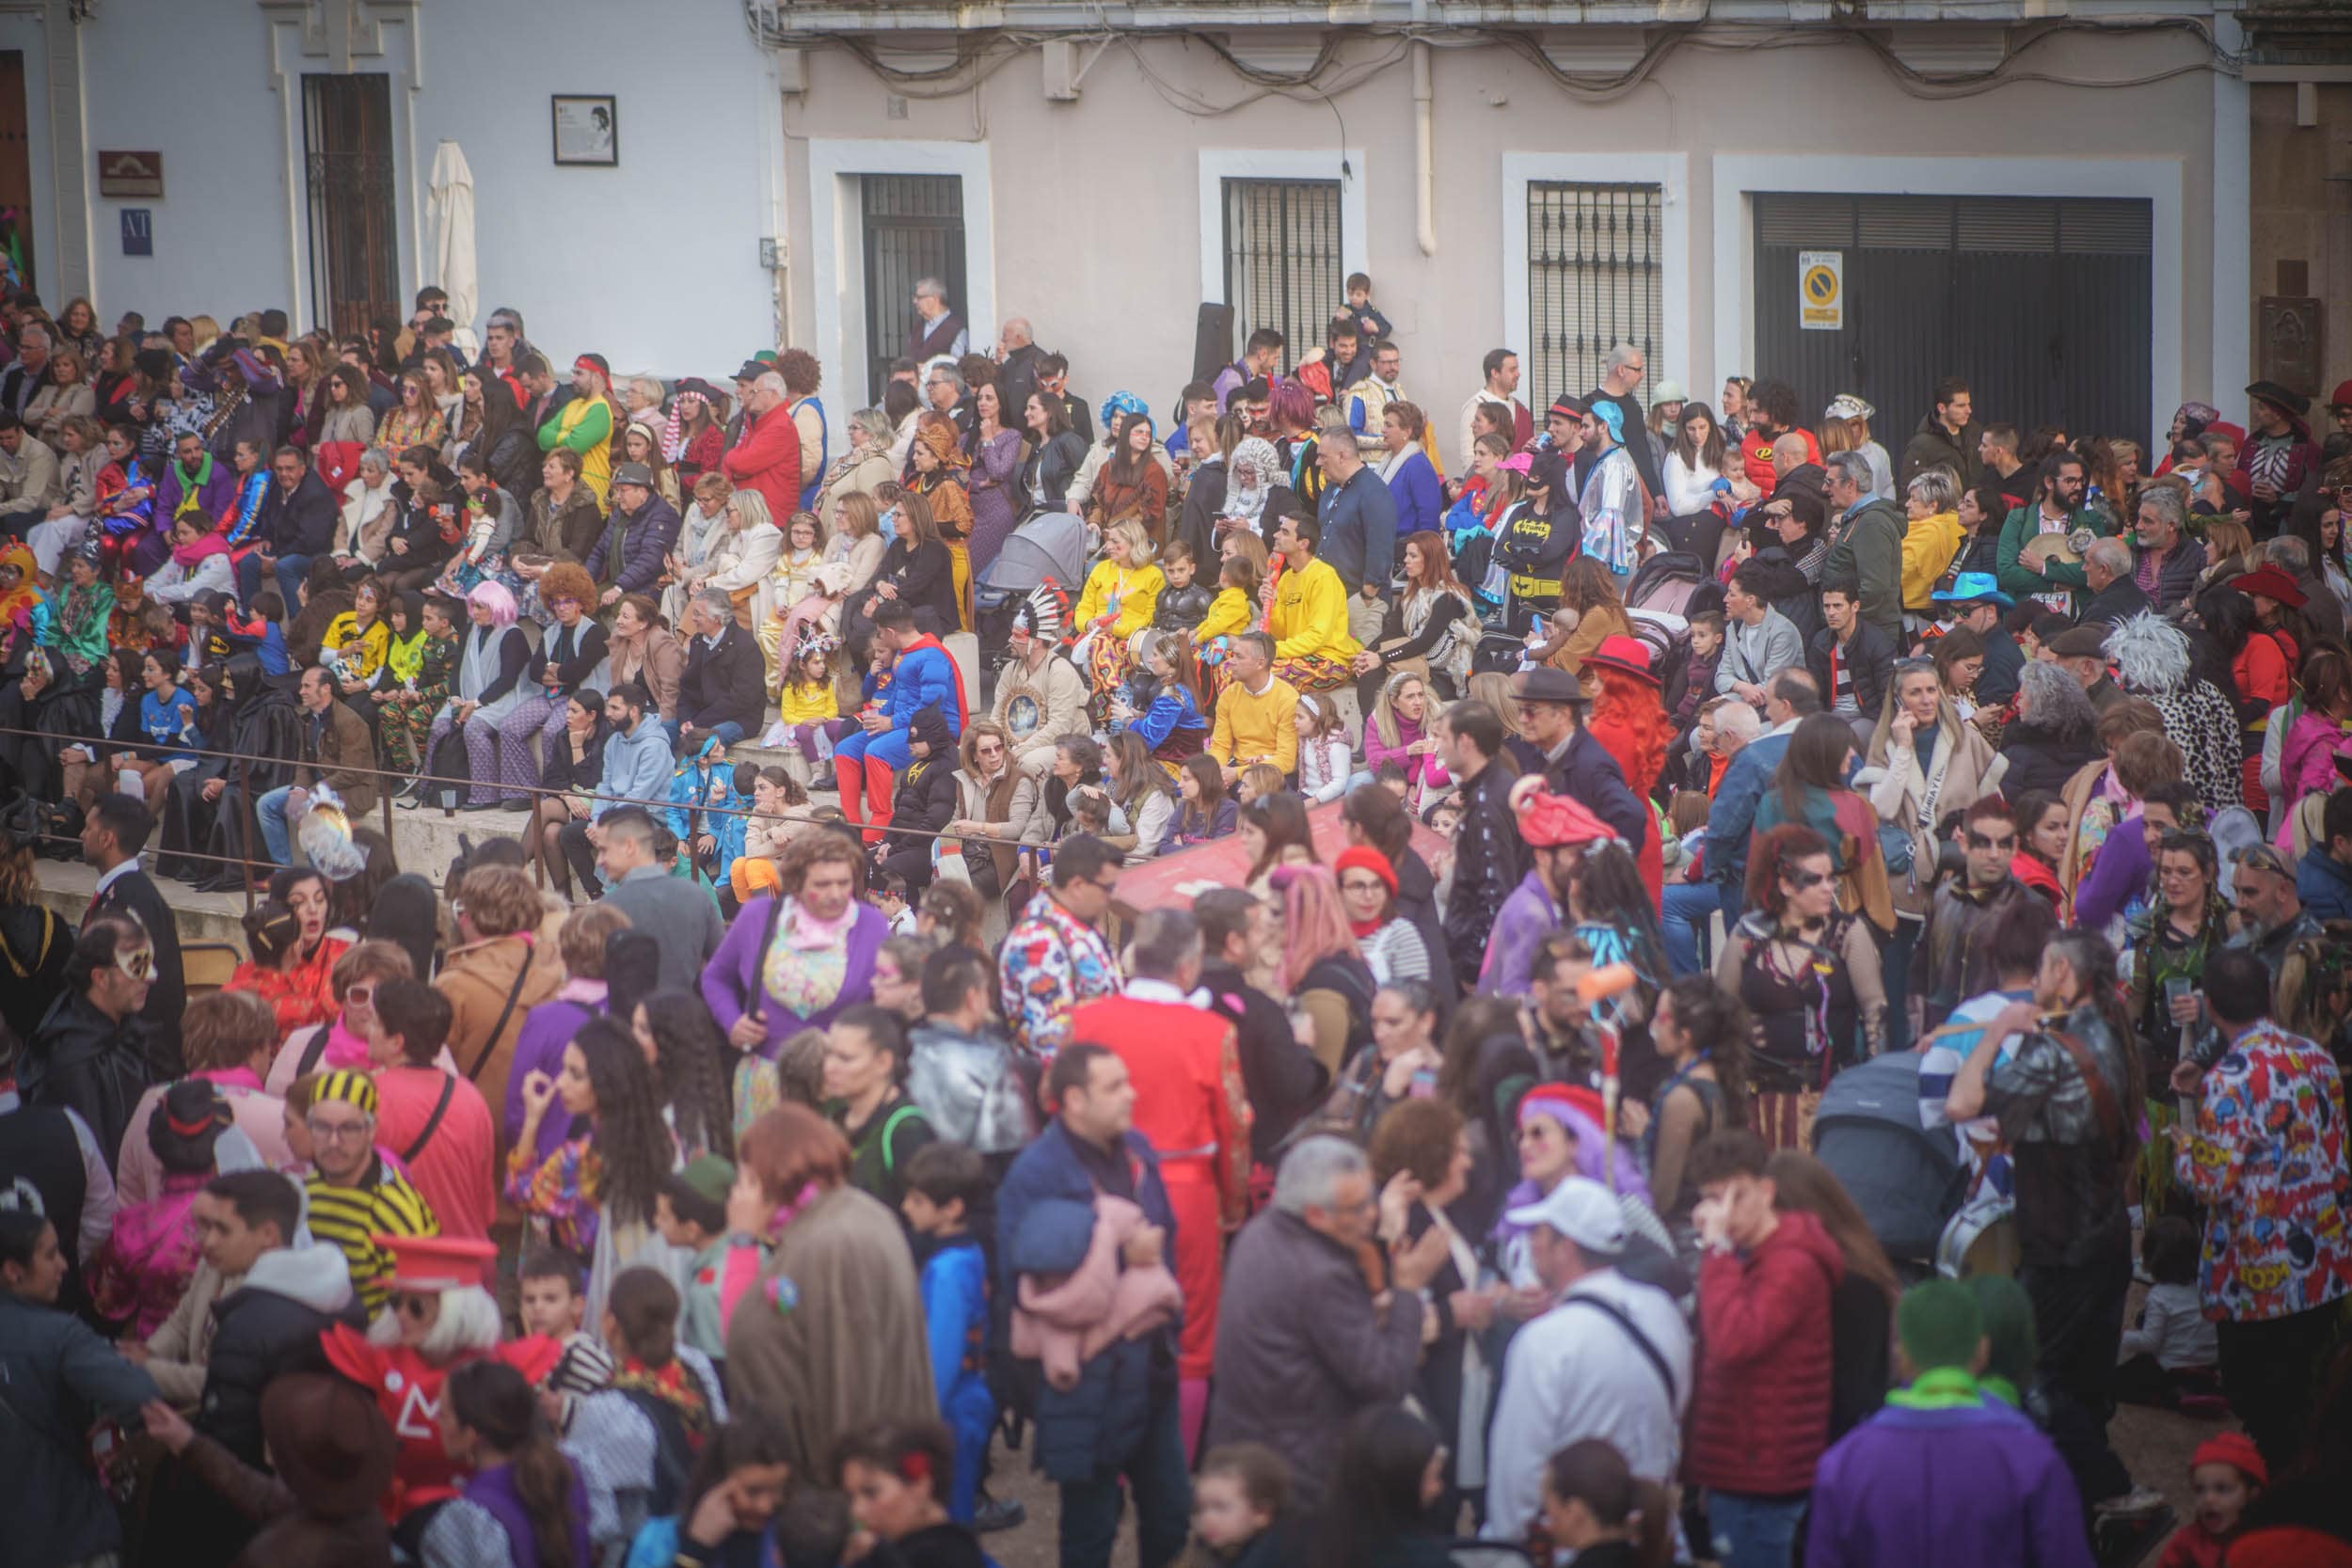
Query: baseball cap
{"x": 633, "y": 473}
{"x": 1582, "y": 1210}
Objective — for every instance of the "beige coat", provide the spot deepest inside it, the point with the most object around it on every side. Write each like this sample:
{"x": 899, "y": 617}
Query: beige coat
{"x": 179, "y": 1352}
{"x": 1970, "y": 769}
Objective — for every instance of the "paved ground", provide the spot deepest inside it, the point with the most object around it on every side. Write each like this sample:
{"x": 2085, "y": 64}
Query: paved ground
{"x": 2155, "y": 1446}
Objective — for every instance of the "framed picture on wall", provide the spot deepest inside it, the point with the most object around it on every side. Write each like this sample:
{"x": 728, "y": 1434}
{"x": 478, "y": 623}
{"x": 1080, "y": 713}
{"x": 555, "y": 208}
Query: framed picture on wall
{"x": 587, "y": 130}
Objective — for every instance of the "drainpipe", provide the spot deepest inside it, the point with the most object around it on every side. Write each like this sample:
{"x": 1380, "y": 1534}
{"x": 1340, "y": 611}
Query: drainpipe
{"x": 1425, "y": 186}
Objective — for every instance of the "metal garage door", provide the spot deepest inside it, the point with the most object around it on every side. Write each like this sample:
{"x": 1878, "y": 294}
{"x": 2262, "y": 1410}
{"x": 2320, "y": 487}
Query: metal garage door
{"x": 2042, "y": 304}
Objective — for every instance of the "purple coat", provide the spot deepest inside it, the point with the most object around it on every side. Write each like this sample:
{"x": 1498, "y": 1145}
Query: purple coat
{"x": 1527, "y": 917}
{"x": 213, "y": 498}
{"x": 548, "y": 1028}
{"x": 731, "y": 977}
{"x": 2118, "y": 875}
{"x": 1945, "y": 1488}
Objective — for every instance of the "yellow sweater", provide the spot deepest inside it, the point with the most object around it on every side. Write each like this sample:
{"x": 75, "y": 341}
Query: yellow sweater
{"x": 1126, "y": 591}
{"x": 1929, "y": 545}
{"x": 802, "y": 702}
{"x": 1309, "y": 614}
{"x": 1256, "y": 728}
{"x": 1228, "y": 612}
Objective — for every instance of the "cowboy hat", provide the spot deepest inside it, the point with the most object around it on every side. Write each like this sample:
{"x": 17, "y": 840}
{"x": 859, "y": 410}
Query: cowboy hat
{"x": 1627, "y": 655}
{"x": 330, "y": 1442}
{"x": 1974, "y": 588}
{"x": 2271, "y": 582}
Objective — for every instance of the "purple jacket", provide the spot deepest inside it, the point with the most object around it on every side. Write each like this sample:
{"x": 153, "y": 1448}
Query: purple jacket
{"x": 2118, "y": 875}
{"x": 213, "y": 498}
{"x": 731, "y": 977}
{"x": 548, "y": 1028}
{"x": 1945, "y": 1487}
{"x": 1527, "y": 917}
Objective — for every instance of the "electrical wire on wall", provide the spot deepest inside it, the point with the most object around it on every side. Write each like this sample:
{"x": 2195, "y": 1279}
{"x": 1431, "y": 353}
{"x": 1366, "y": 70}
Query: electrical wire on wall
{"x": 1329, "y": 75}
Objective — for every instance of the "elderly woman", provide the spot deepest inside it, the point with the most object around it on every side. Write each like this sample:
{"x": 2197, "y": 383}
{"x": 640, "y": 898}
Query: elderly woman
{"x": 2055, "y": 734}
{"x": 739, "y": 562}
{"x": 817, "y": 1291}
{"x": 800, "y": 959}
{"x": 364, "y": 532}
{"x": 1932, "y": 502}
{"x": 859, "y": 471}
{"x": 701, "y": 530}
{"x": 995, "y": 800}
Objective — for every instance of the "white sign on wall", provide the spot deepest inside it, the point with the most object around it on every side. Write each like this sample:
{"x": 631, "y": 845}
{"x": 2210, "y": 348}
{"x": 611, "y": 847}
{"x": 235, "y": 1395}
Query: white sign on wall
{"x": 1821, "y": 291}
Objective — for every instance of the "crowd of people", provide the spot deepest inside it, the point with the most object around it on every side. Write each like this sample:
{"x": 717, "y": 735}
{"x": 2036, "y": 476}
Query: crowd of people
{"x": 813, "y": 1089}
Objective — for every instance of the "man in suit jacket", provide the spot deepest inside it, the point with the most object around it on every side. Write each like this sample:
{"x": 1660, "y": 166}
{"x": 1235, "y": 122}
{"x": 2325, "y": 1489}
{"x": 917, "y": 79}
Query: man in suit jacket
{"x": 336, "y": 751}
{"x": 723, "y": 692}
{"x": 114, "y": 831}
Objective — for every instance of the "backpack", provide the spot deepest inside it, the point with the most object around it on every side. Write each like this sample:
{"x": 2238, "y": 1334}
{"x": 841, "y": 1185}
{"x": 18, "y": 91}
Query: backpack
{"x": 674, "y": 1449}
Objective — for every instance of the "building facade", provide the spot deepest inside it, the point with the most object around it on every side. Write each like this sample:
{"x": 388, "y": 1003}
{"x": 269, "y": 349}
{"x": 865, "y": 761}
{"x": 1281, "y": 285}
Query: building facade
{"x": 2081, "y": 206}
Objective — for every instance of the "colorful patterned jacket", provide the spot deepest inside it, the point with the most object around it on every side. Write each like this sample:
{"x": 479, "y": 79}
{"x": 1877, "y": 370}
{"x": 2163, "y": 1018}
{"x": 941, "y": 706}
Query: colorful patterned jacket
{"x": 2267, "y": 1158}
{"x": 1052, "y": 962}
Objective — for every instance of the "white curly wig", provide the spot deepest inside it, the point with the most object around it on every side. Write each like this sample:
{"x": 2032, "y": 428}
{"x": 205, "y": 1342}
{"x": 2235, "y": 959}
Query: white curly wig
{"x": 468, "y": 1323}
{"x": 2151, "y": 654}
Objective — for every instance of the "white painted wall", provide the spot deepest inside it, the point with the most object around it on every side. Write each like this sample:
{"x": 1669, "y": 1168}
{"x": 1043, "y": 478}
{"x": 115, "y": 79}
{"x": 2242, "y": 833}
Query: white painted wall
{"x": 655, "y": 263}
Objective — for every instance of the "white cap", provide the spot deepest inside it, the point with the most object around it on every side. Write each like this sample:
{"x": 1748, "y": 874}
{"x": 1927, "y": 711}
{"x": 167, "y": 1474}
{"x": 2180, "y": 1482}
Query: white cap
{"x": 1667, "y": 391}
{"x": 1582, "y": 1210}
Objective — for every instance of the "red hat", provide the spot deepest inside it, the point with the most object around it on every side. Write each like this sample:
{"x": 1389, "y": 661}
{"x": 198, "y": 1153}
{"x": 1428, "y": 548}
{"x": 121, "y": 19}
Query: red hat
{"x": 1630, "y": 655}
{"x": 1551, "y": 1099}
{"x": 430, "y": 1263}
{"x": 2271, "y": 582}
{"x": 1364, "y": 858}
{"x": 2341, "y": 396}
{"x": 2235, "y": 1449}
{"x": 1555, "y": 820}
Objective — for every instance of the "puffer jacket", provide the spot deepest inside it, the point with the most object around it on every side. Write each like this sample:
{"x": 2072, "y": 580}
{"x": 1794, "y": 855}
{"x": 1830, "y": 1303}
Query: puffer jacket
{"x": 1761, "y": 1415}
{"x": 270, "y": 1324}
{"x": 2176, "y": 580}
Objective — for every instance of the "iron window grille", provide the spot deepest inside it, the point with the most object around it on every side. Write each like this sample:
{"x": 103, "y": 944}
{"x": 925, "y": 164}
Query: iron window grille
{"x": 1594, "y": 276}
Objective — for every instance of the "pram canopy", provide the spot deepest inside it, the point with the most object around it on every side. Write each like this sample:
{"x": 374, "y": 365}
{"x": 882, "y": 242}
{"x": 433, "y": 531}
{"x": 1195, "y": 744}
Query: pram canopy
{"x": 1907, "y": 1179}
{"x": 1050, "y": 545}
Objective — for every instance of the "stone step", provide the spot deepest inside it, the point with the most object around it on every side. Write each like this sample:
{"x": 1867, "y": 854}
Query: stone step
{"x": 66, "y": 887}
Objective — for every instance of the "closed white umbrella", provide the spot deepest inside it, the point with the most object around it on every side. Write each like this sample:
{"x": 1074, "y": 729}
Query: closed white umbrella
{"x": 452, "y": 238}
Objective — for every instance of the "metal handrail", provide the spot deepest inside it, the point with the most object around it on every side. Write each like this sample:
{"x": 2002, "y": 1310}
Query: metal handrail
{"x": 252, "y": 832}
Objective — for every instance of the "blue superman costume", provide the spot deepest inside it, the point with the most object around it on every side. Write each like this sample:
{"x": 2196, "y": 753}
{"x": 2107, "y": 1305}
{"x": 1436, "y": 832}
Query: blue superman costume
{"x": 926, "y": 675}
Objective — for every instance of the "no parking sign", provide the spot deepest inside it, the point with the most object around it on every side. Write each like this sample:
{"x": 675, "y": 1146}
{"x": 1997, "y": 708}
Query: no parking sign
{"x": 1821, "y": 291}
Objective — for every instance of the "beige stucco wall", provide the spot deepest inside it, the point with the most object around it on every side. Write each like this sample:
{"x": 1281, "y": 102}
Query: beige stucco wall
{"x": 1095, "y": 205}
{"x": 2299, "y": 214}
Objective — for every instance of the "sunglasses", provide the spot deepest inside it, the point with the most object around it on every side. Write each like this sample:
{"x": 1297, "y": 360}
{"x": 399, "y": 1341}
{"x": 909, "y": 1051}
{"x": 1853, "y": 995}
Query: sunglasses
{"x": 2261, "y": 857}
{"x": 412, "y": 1307}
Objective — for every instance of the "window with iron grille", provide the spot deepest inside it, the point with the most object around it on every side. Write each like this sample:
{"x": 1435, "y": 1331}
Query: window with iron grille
{"x": 1282, "y": 265}
{"x": 1593, "y": 280}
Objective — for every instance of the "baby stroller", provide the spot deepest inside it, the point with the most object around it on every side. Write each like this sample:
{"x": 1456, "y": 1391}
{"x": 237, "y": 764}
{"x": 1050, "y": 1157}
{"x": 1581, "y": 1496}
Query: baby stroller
{"x": 1050, "y": 546}
{"x": 1666, "y": 582}
{"x": 1906, "y": 1179}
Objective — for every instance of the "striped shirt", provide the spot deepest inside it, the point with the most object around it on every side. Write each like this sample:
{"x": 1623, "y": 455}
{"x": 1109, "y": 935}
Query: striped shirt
{"x": 382, "y": 1204}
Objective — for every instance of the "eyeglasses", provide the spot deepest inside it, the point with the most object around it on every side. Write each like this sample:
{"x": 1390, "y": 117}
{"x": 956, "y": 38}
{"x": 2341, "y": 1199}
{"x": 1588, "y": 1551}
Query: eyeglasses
{"x": 335, "y": 1131}
{"x": 1110, "y": 886}
{"x": 1363, "y": 884}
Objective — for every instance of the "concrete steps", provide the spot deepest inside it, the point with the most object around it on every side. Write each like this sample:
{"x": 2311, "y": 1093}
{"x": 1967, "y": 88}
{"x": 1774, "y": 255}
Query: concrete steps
{"x": 66, "y": 887}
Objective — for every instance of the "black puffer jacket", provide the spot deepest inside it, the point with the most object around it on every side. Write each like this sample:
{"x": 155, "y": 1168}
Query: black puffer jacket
{"x": 271, "y": 1324}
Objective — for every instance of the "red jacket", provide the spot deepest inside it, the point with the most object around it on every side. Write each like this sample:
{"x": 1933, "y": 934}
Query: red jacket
{"x": 1761, "y": 1416}
{"x": 768, "y": 460}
